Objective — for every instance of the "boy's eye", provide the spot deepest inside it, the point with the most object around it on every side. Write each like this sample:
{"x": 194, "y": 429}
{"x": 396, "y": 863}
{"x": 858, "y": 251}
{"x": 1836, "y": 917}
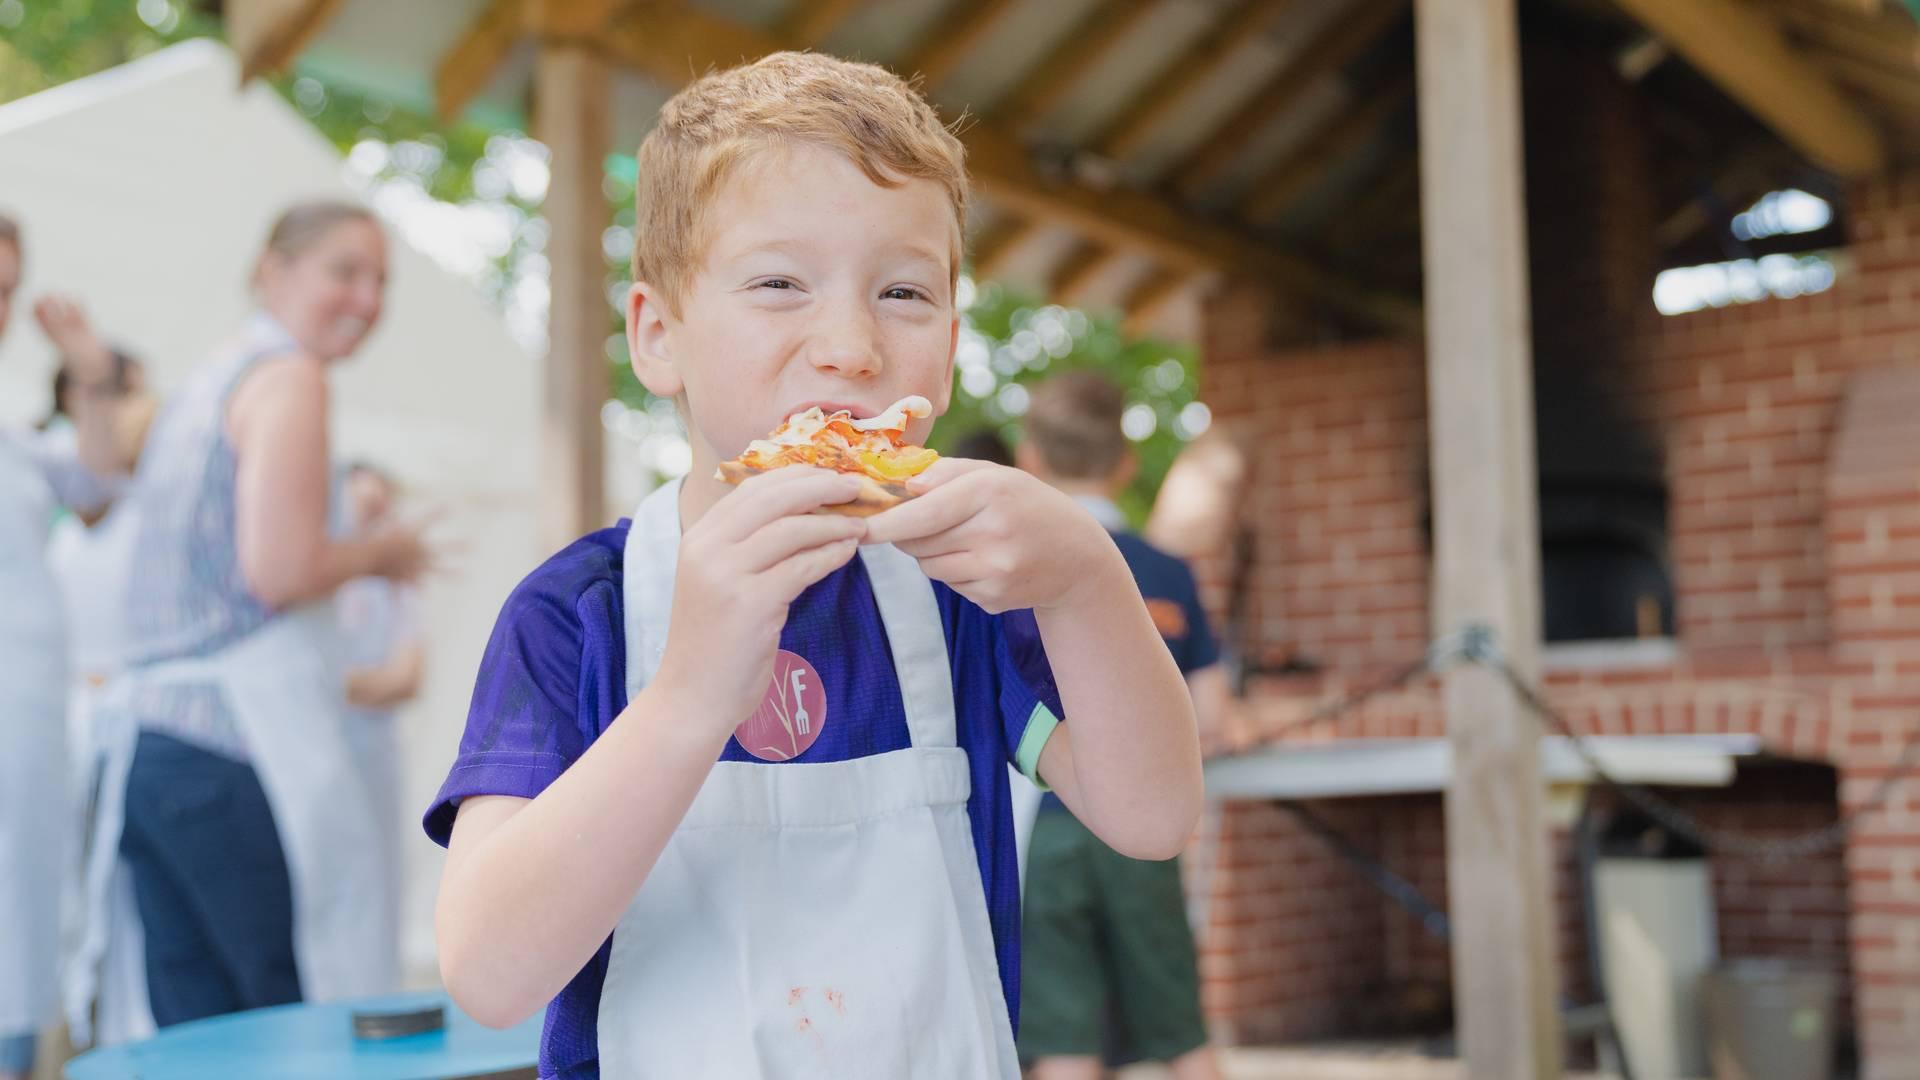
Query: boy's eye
{"x": 904, "y": 292}
{"x": 774, "y": 283}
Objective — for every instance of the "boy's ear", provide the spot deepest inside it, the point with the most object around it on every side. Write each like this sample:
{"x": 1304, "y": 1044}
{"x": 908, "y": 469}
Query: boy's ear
{"x": 649, "y": 345}
{"x": 1124, "y": 472}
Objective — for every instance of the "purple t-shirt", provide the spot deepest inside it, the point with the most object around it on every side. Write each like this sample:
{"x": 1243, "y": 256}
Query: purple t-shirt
{"x": 554, "y": 677}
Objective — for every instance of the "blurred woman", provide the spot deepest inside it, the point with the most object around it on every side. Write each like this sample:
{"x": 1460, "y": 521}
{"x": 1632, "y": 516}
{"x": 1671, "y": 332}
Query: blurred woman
{"x": 228, "y": 792}
{"x": 36, "y": 473}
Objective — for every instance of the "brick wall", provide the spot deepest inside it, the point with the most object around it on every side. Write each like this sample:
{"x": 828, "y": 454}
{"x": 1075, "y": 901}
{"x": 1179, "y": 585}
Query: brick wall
{"x": 1795, "y": 532}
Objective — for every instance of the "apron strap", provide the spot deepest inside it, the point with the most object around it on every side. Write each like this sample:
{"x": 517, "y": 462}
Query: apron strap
{"x": 919, "y": 639}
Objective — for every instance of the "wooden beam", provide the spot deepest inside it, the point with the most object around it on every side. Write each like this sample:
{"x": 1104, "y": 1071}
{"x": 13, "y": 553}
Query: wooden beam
{"x": 1250, "y": 21}
{"x": 1486, "y": 538}
{"x": 1289, "y": 178}
{"x": 572, "y": 20}
{"x": 466, "y": 68}
{"x": 1902, "y": 91}
{"x": 1146, "y": 301}
{"x": 573, "y": 117}
{"x": 672, "y": 42}
{"x": 952, "y": 38}
{"x": 1743, "y": 52}
{"x": 268, "y": 34}
{"x": 1089, "y": 42}
{"x": 1082, "y": 267}
{"x": 990, "y": 249}
{"x": 1336, "y": 46}
{"x": 1890, "y": 40}
{"x": 813, "y": 21}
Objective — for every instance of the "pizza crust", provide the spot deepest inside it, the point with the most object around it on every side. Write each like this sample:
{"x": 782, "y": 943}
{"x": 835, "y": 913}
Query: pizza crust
{"x": 874, "y": 496}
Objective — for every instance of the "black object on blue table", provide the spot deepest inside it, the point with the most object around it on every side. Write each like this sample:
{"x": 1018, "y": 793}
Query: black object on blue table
{"x": 317, "y": 1042}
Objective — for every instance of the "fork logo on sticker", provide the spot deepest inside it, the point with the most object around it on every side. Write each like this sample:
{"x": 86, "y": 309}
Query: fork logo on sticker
{"x": 791, "y": 714}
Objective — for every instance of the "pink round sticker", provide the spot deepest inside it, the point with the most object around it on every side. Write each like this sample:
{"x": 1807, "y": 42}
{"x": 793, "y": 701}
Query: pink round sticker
{"x": 790, "y": 716}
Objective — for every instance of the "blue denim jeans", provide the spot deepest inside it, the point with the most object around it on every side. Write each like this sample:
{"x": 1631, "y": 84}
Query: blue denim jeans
{"x": 16, "y": 1053}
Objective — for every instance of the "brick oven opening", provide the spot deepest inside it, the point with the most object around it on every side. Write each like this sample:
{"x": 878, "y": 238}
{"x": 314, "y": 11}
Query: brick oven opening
{"x": 1605, "y": 570}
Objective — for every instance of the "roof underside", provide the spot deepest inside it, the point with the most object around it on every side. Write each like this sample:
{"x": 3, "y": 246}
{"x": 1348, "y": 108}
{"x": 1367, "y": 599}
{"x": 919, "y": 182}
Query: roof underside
{"x": 1137, "y": 151}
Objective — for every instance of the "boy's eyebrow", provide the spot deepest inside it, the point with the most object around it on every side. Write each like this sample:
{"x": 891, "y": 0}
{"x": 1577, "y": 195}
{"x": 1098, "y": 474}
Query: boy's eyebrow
{"x": 915, "y": 251}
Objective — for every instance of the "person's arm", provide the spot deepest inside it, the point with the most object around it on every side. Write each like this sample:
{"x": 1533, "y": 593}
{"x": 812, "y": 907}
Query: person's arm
{"x": 531, "y": 888}
{"x": 94, "y": 403}
{"x": 391, "y": 683}
{"x": 1127, "y": 762}
{"x": 277, "y": 419}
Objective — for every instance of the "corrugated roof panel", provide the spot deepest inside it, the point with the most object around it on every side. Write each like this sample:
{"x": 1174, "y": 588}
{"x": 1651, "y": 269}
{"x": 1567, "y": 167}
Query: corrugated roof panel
{"x": 1023, "y": 40}
{"x": 1134, "y": 62}
{"x": 885, "y": 32}
{"x": 1315, "y": 107}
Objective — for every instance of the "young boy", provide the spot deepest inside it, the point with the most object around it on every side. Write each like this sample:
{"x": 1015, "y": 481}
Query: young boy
{"x": 698, "y": 903}
{"x": 1103, "y": 934}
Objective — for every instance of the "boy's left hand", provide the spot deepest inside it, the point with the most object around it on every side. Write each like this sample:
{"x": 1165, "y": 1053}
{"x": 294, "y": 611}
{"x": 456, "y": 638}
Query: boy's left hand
{"x": 998, "y": 536}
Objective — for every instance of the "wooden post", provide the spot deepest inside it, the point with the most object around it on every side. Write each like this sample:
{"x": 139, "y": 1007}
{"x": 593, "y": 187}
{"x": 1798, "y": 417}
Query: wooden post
{"x": 571, "y": 117}
{"x": 1487, "y": 559}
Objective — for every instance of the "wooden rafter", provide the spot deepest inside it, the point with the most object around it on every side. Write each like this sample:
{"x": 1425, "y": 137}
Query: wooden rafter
{"x": 1902, "y": 91}
{"x": 466, "y": 68}
{"x": 1346, "y": 132}
{"x": 812, "y": 21}
{"x": 1891, "y": 40}
{"x": 1248, "y": 22}
{"x": 1083, "y": 266}
{"x": 572, "y": 20}
{"x": 990, "y": 249}
{"x": 1088, "y": 43}
{"x": 948, "y": 43}
{"x": 670, "y": 42}
{"x": 1333, "y": 48}
{"x": 1740, "y": 49}
{"x": 268, "y": 35}
{"x": 1145, "y": 302}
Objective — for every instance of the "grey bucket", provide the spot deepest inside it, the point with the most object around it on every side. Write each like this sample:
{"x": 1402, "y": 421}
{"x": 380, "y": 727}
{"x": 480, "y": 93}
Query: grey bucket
{"x": 1770, "y": 1020}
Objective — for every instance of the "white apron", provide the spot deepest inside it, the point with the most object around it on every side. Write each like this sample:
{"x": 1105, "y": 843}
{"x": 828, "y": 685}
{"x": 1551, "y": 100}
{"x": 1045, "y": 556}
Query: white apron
{"x": 33, "y": 772}
{"x": 811, "y": 920}
{"x": 283, "y": 685}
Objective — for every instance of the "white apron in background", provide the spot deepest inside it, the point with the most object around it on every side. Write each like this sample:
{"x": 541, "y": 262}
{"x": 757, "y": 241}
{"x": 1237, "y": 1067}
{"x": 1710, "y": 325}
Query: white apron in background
{"x": 283, "y": 686}
{"x": 34, "y": 824}
{"x": 810, "y": 920}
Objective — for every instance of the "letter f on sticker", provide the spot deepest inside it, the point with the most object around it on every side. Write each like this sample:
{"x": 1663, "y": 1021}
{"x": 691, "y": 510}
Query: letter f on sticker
{"x": 797, "y": 678}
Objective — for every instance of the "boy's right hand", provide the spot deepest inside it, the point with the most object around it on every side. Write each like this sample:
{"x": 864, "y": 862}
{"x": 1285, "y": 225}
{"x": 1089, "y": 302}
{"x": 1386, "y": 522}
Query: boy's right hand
{"x": 740, "y": 567}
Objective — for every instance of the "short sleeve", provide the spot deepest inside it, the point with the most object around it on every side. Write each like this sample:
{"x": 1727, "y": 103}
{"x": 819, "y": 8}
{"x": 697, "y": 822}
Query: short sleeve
{"x": 1030, "y": 706}
{"x": 550, "y": 681}
{"x": 1201, "y": 649}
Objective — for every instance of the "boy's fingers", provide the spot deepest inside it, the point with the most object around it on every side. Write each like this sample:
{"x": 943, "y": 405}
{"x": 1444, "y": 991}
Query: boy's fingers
{"x": 944, "y": 471}
{"x": 957, "y": 568}
{"x": 793, "y": 575}
{"x": 921, "y": 517}
{"x": 782, "y": 538}
{"x": 780, "y": 493}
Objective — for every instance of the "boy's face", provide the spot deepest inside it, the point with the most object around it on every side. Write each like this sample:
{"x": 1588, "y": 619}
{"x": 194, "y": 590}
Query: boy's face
{"x": 819, "y": 287}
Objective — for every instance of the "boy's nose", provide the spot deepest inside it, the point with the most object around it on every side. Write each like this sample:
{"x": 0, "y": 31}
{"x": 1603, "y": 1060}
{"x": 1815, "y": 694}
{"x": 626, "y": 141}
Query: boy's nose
{"x": 844, "y": 343}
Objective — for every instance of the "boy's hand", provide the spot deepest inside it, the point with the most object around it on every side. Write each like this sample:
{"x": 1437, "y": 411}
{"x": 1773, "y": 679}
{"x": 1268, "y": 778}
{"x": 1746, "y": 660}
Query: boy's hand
{"x": 1000, "y": 537}
{"x": 741, "y": 565}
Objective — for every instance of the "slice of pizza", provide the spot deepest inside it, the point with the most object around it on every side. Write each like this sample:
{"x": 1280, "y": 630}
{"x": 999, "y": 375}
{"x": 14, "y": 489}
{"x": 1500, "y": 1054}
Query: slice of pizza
{"x": 874, "y": 449}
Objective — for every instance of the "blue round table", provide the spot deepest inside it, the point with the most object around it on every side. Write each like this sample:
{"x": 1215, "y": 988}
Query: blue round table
{"x": 298, "y": 1042}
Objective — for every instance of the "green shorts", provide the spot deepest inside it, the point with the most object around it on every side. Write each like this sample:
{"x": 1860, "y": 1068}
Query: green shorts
{"x": 1101, "y": 935}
